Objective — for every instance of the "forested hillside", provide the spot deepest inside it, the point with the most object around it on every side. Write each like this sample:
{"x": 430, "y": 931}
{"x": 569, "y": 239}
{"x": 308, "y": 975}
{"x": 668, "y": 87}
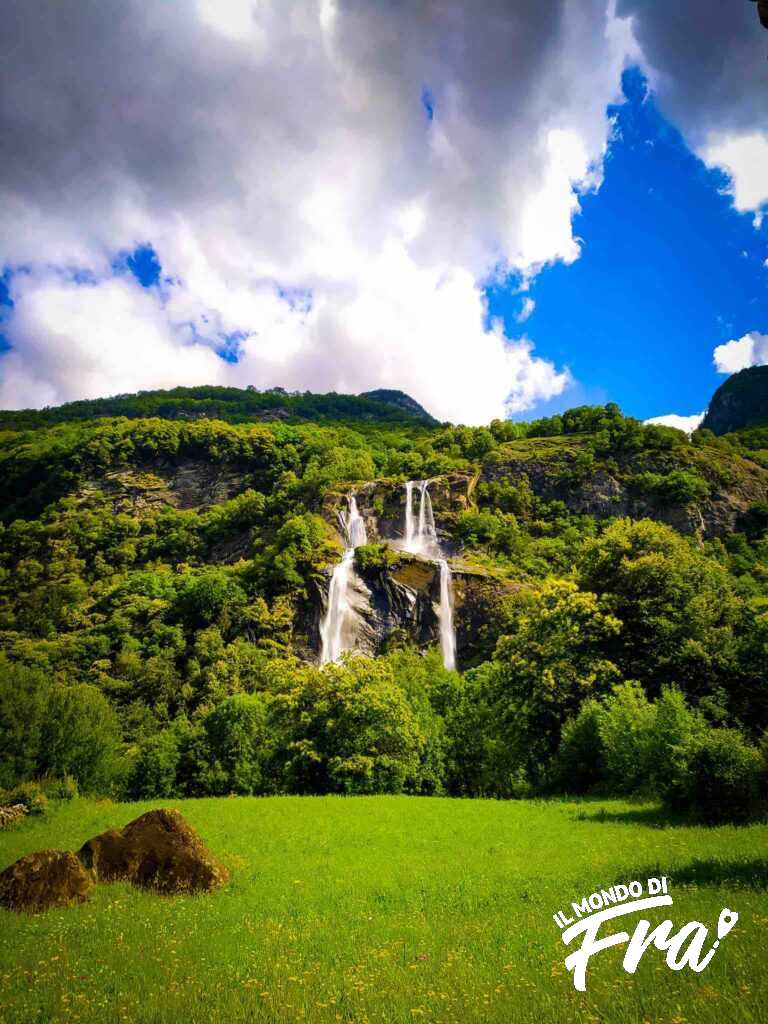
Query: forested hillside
{"x": 234, "y": 405}
{"x": 164, "y": 575}
{"x": 740, "y": 402}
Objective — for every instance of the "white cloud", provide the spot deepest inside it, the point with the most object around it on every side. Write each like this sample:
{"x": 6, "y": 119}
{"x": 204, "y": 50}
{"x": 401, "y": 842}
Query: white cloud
{"x": 528, "y": 307}
{"x": 745, "y": 158}
{"x": 268, "y": 149}
{"x": 88, "y": 340}
{"x": 738, "y": 354}
{"x": 685, "y": 423}
{"x": 82, "y": 340}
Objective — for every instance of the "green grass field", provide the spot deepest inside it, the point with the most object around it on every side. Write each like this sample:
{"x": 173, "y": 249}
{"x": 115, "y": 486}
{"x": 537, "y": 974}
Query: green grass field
{"x": 388, "y": 909}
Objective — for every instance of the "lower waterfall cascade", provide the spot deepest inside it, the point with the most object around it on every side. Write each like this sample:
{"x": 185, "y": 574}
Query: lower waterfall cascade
{"x": 335, "y": 624}
{"x": 420, "y": 538}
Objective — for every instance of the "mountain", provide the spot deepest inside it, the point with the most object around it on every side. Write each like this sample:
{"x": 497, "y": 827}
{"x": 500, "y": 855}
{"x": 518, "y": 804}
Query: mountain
{"x": 739, "y": 403}
{"x": 233, "y": 405}
{"x": 399, "y": 400}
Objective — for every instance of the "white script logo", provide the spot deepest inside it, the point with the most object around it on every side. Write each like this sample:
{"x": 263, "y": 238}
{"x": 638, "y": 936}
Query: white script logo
{"x": 684, "y": 948}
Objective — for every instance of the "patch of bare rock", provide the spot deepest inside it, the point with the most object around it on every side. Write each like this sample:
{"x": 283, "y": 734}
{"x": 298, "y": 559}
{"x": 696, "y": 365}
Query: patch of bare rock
{"x": 11, "y": 813}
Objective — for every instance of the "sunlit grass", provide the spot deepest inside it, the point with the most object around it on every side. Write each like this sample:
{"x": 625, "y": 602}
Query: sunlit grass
{"x": 387, "y": 909}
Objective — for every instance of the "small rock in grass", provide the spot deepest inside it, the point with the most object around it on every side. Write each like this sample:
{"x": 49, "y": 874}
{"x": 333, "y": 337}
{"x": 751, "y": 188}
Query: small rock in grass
{"x": 46, "y": 879}
{"x": 11, "y": 813}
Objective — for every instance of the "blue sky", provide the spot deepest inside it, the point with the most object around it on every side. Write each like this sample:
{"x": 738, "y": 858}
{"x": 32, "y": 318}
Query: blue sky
{"x": 668, "y": 270}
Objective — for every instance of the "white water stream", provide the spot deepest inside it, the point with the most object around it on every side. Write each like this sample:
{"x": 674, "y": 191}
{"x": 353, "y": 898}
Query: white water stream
{"x": 337, "y": 625}
{"x": 420, "y": 538}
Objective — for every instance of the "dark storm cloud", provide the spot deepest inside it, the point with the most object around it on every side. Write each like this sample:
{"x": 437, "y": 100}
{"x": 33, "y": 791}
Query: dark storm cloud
{"x": 711, "y": 59}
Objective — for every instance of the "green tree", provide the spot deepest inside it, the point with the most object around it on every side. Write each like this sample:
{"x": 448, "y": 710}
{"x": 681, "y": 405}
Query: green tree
{"x": 239, "y": 745}
{"x": 24, "y": 701}
{"x": 545, "y": 666}
{"x": 677, "y": 607}
{"x": 347, "y": 728}
{"x": 80, "y": 737}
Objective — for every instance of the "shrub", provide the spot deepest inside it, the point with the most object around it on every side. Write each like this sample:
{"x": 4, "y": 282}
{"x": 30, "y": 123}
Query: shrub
{"x": 675, "y": 726}
{"x": 607, "y": 744}
{"x": 684, "y": 487}
{"x": 24, "y": 696}
{"x": 153, "y": 772}
{"x": 64, "y": 788}
{"x": 47, "y": 729}
{"x": 30, "y": 794}
{"x": 371, "y": 558}
{"x": 238, "y": 745}
{"x": 579, "y": 764}
{"x": 718, "y": 778}
{"x": 80, "y": 737}
{"x": 680, "y": 487}
{"x": 624, "y": 726}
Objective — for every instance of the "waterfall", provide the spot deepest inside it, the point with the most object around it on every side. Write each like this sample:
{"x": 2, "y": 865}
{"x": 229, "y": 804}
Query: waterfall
{"x": 421, "y": 540}
{"x": 445, "y": 616}
{"x": 424, "y": 541}
{"x": 408, "y": 539}
{"x": 336, "y": 627}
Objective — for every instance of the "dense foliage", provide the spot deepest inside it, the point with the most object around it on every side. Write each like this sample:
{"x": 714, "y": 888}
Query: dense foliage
{"x": 157, "y": 574}
{"x": 235, "y": 405}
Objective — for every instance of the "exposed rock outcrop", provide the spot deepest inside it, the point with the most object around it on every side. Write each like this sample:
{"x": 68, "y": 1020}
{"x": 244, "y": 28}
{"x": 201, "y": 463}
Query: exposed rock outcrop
{"x": 192, "y": 483}
{"x": 158, "y": 851}
{"x": 382, "y": 506}
{"x": 46, "y": 879}
{"x": 399, "y": 603}
{"x": 599, "y": 493}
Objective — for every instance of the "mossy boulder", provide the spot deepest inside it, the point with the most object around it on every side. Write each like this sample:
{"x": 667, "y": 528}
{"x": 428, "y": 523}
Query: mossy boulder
{"x": 45, "y": 880}
{"x": 158, "y": 851}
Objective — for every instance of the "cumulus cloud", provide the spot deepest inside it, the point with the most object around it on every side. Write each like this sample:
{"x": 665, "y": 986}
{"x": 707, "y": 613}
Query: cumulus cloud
{"x": 685, "y": 423}
{"x": 79, "y": 339}
{"x": 738, "y": 354}
{"x": 707, "y": 65}
{"x": 308, "y": 210}
{"x": 745, "y": 158}
{"x": 281, "y": 162}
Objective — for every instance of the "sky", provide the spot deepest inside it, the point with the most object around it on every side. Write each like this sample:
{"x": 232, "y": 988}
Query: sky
{"x": 503, "y": 209}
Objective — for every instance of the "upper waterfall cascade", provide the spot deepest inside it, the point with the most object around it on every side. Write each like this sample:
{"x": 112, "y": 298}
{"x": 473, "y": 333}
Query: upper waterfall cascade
{"x": 337, "y": 625}
{"x": 420, "y": 538}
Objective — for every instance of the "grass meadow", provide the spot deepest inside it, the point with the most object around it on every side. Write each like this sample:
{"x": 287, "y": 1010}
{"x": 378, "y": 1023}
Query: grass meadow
{"x": 388, "y": 909}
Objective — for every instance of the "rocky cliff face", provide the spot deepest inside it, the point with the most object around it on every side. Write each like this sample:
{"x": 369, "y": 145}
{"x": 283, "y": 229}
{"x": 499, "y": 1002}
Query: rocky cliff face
{"x": 193, "y": 483}
{"x": 399, "y": 604}
{"x": 603, "y": 494}
{"x": 382, "y": 505}
{"x": 400, "y": 601}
